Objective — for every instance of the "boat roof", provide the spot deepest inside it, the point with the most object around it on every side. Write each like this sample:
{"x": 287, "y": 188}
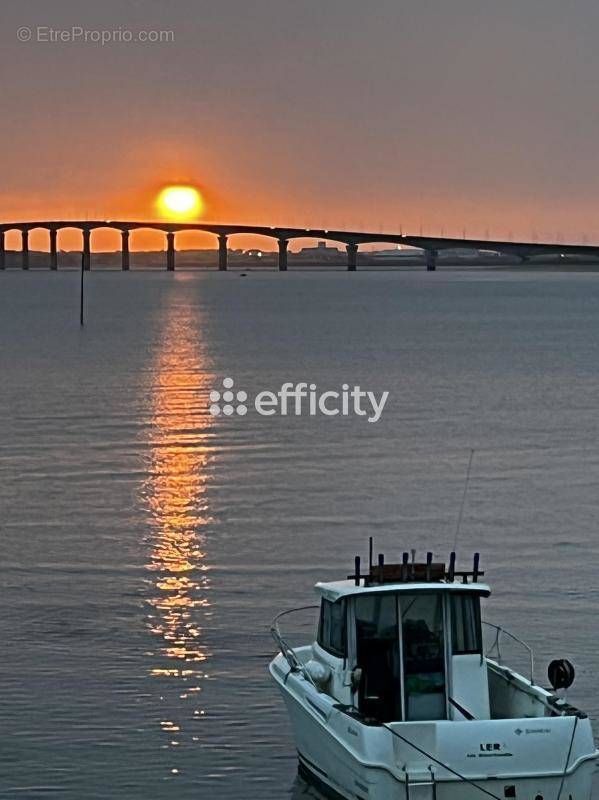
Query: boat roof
{"x": 335, "y": 590}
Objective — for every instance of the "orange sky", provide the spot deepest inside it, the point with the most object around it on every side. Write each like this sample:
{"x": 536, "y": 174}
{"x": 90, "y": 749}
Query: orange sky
{"x": 125, "y": 186}
{"x": 443, "y": 214}
{"x": 339, "y": 114}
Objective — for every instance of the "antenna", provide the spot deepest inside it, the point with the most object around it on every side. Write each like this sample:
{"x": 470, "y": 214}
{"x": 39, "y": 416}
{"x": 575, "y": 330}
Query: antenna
{"x": 466, "y": 482}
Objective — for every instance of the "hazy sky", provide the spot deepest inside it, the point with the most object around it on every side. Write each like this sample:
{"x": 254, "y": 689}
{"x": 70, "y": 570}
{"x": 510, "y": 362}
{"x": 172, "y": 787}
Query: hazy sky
{"x": 456, "y": 113}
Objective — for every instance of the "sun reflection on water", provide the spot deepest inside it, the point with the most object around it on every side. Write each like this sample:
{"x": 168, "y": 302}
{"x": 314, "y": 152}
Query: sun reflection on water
{"x": 175, "y": 496}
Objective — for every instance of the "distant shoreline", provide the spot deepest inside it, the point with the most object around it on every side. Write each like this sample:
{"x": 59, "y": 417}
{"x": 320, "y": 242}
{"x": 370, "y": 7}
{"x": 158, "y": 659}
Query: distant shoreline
{"x": 207, "y": 261}
{"x": 313, "y": 268}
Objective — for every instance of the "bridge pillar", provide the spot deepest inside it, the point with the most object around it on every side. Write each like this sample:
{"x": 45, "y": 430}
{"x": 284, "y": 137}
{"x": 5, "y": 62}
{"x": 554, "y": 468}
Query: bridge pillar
{"x": 222, "y": 252}
{"x": 125, "y": 249}
{"x": 25, "y": 249}
{"x": 352, "y": 256}
{"x": 283, "y": 245}
{"x": 53, "y": 249}
{"x": 170, "y": 251}
{"x": 87, "y": 261}
{"x": 431, "y": 260}
{"x": 2, "y": 251}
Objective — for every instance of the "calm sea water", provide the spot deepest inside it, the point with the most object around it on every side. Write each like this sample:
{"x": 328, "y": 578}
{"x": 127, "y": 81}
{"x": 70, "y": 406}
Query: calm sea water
{"x": 145, "y": 546}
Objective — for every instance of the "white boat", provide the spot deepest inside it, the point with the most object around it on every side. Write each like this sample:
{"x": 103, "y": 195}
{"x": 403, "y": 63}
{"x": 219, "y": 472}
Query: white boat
{"x": 396, "y": 700}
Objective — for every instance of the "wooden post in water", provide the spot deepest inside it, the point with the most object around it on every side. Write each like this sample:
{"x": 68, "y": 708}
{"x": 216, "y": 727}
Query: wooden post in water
{"x": 87, "y": 257}
{"x": 81, "y": 293}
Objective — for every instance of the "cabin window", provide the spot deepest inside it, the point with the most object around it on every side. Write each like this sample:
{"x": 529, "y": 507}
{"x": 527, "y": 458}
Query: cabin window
{"x": 377, "y": 641}
{"x": 465, "y": 624}
{"x": 424, "y": 656}
{"x": 331, "y": 629}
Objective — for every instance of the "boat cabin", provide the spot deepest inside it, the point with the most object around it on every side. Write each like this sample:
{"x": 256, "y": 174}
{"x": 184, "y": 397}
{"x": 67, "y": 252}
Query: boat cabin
{"x": 404, "y": 641}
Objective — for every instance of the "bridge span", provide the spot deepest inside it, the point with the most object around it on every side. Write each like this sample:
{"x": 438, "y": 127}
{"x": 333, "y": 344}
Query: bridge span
{"x": 351, "y": 239}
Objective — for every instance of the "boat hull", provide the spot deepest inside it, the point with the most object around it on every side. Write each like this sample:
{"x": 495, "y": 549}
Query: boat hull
{"x": 577, "y": 786}
{"x": 349, "y": 759}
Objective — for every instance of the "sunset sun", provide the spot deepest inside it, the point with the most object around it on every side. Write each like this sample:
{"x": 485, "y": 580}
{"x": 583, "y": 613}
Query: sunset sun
{"x": 180, "y": 202}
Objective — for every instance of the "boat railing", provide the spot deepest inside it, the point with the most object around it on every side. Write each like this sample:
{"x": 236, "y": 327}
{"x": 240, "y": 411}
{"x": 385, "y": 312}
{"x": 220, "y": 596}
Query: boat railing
{"x": 495, "y": 650}
{"x": 287, "y": 651}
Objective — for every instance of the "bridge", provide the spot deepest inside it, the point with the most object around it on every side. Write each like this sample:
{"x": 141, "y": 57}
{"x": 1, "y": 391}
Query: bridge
{"x": 431, "y": 245}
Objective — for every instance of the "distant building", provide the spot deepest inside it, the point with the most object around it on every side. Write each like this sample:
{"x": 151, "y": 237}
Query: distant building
{"x": 396, "y": 253}
{"x": 460, "y": 252}
{"x": 322, "y": 252}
